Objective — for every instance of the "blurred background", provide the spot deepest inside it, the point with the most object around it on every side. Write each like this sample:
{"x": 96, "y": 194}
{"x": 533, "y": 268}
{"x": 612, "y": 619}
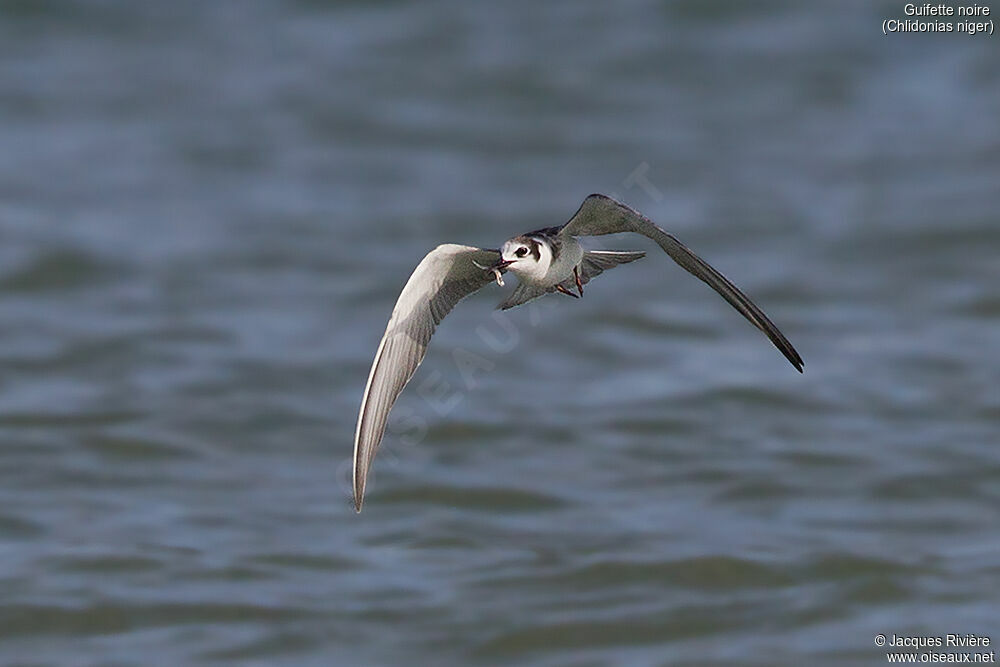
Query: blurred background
{"x": 207, "y": 211}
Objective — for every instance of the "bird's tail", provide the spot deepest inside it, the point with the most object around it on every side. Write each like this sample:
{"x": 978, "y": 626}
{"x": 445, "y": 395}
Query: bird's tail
{"x": 596, "y": 262}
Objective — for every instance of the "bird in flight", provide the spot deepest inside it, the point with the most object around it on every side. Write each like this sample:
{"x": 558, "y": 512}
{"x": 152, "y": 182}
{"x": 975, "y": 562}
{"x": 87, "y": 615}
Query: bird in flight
{"x": 545, "y": 261}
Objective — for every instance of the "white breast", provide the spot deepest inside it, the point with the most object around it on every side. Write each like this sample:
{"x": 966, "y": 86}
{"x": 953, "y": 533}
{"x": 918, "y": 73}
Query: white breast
{"x": 546, "y": 270}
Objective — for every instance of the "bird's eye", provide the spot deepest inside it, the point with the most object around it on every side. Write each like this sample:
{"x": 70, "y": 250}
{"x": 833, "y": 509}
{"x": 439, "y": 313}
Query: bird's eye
{"x": 521, "y": 252}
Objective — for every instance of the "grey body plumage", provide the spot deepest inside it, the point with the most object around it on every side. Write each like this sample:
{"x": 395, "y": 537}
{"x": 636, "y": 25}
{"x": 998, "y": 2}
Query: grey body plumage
{"x": 546, "y": 260}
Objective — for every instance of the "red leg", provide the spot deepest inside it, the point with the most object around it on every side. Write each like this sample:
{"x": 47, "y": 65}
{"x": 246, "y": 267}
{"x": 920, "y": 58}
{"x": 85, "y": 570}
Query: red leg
{"x": 565, "y": 291}
{"x": 579, "y": 285}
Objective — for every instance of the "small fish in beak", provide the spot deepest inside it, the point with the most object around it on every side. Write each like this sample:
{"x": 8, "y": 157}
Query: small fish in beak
{"x": 497, "y": 269}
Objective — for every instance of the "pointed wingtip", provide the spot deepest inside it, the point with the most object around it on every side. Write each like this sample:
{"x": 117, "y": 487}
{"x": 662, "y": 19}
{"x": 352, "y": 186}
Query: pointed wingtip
{"x": 359, "y": 493}
{"x": 358, "y": 502}
{"x": 786, "y": 349}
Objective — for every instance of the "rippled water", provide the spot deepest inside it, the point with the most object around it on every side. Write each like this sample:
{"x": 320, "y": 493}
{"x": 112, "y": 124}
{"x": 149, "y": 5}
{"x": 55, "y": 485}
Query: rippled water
{"x": 208, "y": 209}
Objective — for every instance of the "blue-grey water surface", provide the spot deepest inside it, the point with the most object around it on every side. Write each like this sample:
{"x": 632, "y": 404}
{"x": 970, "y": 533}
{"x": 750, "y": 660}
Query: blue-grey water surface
{"x": 208, "y": 209}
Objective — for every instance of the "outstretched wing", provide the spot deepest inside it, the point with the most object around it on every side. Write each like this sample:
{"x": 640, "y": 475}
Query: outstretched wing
{"x": 600, "y": 215}
{"x": 522, "y": 294}
{"x": 445, "y": 276}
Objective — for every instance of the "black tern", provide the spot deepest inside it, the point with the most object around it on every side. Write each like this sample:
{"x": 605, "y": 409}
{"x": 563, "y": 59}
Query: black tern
{"x": 544, "y": 261}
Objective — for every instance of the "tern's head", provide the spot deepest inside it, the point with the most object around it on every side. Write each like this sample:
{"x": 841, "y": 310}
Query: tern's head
{"x": 527, "y": 257}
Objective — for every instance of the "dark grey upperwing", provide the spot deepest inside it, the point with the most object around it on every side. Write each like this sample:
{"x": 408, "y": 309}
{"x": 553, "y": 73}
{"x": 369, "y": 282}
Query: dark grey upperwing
{"x": 599, "y": 215}
{"x": 444, "y": 277}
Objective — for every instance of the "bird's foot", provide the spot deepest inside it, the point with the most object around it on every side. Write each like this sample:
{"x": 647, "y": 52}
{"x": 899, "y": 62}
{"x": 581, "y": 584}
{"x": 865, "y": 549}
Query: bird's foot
{"x": 565, "y": 291}
{"x": 579, "y": 285}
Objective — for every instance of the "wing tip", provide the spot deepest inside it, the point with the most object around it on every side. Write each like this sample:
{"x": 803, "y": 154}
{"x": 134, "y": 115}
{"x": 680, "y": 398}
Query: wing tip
{"x": 793, "y": 357}
{"x": 359, "y": 497}
{"x": 359, "y": 489}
